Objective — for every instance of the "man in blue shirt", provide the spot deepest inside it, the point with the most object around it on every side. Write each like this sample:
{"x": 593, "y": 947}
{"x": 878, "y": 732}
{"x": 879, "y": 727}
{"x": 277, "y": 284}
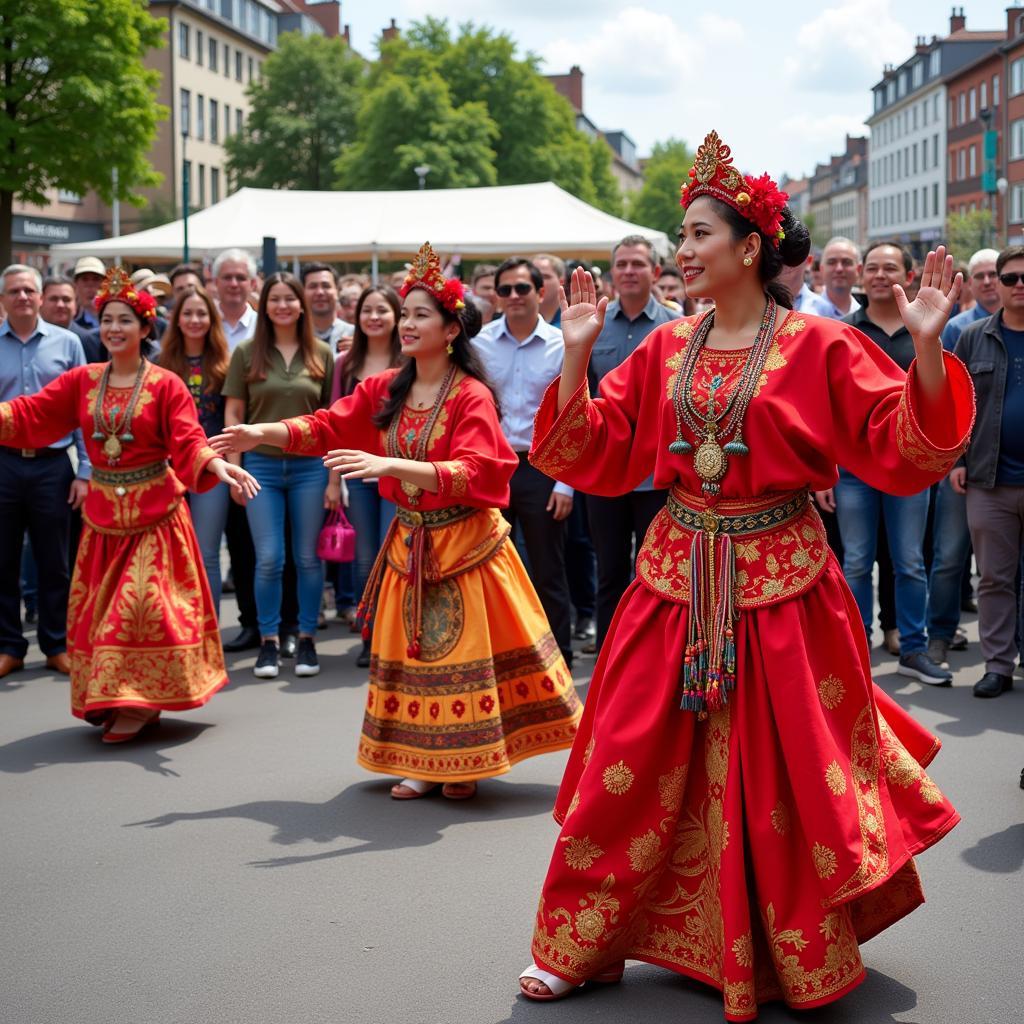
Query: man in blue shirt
{"x": 618, "y": 525}
{"x": 523, "y": 355}
{"x": 981, "y": 271}
{"x": 38, "y": 486}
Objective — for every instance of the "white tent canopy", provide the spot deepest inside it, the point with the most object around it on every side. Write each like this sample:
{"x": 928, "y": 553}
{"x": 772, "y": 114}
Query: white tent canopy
{"x": 473, "y": 222}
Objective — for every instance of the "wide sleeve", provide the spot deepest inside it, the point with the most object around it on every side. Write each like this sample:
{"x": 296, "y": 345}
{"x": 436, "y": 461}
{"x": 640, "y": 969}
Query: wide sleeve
{"x": 35, "y": 421}
{"x": 187, "y": 448}
{"x": 480, "y": 460}
{"x": 605, "y": 445}
{"x": 882, "y": 429}
{"x": 348, "y": 423}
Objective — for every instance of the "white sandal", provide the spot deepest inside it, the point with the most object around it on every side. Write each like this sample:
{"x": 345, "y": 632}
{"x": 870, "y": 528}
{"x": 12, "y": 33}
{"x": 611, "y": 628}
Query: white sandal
{"x": 416, "y": 787}
{"x": 559, "y": 988}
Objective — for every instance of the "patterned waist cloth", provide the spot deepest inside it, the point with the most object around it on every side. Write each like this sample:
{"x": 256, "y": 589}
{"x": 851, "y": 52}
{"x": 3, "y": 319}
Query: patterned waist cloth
{"x": 126, "y": 477}
{"x": 709, "y": 662}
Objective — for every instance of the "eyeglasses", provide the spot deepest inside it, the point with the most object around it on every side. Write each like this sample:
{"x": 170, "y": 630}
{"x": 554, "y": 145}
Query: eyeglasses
{"x": 520, "y": 288}
{"x": 1009, "y": 280}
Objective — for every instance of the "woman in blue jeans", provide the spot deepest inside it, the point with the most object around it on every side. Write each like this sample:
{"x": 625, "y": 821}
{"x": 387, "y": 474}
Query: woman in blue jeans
{"x": 375, "y": 348}
{"x": 194, "y": 347}
{"x": 283, "y": 371}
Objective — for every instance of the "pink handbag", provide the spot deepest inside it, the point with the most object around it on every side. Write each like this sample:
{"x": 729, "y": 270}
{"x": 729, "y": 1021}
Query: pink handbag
{"x": 337, "y": 540}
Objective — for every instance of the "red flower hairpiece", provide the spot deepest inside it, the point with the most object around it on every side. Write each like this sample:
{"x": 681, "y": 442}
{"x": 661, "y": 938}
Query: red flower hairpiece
{"x": 118, "y": 287}
{"x": 757, "y": 199}
{"x": 425, "y": 273}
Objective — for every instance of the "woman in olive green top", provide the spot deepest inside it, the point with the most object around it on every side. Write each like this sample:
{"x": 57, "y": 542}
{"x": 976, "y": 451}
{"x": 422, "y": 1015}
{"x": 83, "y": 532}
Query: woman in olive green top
{"x": 283, "y": 371}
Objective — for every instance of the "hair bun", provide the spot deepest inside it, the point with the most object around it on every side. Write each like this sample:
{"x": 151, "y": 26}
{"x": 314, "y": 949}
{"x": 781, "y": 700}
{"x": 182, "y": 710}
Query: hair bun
{"x": 796, "y": 246}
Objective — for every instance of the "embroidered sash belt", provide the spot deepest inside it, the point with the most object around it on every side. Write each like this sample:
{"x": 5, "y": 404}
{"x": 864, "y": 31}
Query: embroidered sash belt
{"x": 127, "y": 477}
{"x": 709, "y": 662}
{"x": 434, "y": 517}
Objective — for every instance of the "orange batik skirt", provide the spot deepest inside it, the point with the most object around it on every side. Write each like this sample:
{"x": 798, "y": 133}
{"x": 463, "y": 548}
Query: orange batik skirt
{"x": 757, "y": 848}
{"x": 142, "y": 628}
{"x": 490, "y": 686}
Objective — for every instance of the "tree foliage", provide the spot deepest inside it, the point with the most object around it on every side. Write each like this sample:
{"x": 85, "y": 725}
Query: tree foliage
{"x": 507, "y": 121}
{"x": 76, "y": 100}
{"x": 656, "y": 204}
{"x": 303, "y": 112}
{"x": 968, "y": 232}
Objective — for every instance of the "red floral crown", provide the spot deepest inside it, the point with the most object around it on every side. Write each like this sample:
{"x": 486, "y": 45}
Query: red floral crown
{"x": 425, "y": 272}
{"x": 757, "y": 199}
{"x": 118, "y": 287}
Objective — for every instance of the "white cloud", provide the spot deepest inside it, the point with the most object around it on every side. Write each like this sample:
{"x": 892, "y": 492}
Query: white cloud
{"x": 845, "y": 46}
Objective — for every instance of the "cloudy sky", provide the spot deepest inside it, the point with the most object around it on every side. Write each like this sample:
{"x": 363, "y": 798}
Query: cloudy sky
{"x": 782, "y": 92}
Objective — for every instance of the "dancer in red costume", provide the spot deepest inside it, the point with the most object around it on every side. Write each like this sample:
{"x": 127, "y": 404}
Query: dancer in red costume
{"x": 742, "y": 804}
{"x": 142, "y": 627}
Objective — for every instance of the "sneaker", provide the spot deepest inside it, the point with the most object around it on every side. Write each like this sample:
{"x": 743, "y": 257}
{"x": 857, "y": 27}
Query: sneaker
{"x": 959, "y": 641}
{"x": 268, "y": 662}
{"x": 937, "y": 651}
{"x": 920, "y": 667}
{"x": 306, "y": 663}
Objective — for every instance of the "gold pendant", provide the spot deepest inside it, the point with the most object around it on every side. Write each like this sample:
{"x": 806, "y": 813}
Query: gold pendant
{"x": 412, "y": 492}
{"x": 709, "y": 460}
{"x": 112, "y": 448}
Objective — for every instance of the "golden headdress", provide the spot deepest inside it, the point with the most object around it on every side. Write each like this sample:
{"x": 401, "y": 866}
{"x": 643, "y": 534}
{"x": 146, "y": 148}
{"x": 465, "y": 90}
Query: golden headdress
{"x": 426, "y": 273}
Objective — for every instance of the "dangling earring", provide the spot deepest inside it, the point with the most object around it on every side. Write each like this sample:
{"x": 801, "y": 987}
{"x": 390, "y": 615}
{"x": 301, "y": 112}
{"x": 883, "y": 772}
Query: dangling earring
{"x": 449, "y": 348}
{"x": 747, "y": 261}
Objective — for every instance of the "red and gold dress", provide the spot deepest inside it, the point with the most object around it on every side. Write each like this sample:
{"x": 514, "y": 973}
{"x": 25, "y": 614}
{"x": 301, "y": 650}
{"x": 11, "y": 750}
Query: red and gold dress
{"x": 755, "y": 847}
{"x": 142, "y": 628}
{"x": 489, "y": 686}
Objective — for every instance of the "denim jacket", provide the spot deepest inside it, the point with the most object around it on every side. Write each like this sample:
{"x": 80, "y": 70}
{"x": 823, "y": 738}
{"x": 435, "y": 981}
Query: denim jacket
{"x": 983, "y": 351}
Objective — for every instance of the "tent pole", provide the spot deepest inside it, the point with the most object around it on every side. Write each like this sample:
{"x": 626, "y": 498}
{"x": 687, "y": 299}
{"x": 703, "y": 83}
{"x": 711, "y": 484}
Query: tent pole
{"x": 295, "y": 266}
{"x": 374, "y": 266}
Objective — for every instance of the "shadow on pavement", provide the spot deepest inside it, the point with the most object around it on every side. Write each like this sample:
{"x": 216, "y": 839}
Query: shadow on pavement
{"x": 82, "y": 745}
{"x": 1000, "y": 853}
{"x": 365, "y": 813}
{"x": 650, "y": 993}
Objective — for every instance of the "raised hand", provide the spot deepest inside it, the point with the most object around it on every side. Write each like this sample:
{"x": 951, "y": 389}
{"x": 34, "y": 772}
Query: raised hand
{"x": 927, "y": 314}
{"x": 582, "y": 314}
{"x": 242, "y": 437}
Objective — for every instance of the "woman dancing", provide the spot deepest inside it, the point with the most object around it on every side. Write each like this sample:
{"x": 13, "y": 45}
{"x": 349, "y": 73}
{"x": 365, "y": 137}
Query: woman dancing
{"x": 142, "y": 627}
{"x": 465, "y": 676}
{"x": 742, "y": 804}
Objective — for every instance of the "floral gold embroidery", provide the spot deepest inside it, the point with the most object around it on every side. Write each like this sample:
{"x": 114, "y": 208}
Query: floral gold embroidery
{"x": 825, "y": 862}
{"x": 617, "y": 778}
{"x": 835, "y": 779}
{"x": 791, "y": 327}
{"x": 743, "y": 950}
{"x": 645, "y": 852}
{"x": 567, "y": 440}
{"x": 442, "y": 618}
{"x": 6, "y": 421}
{"x": 914, "y": 446}
{"x": 573, "y": 804}
{"x": 580, "y": 854}
{"x": 683, "y": 330}
{"x": 831, "y": 692}
{"x": 458, "y": 475}
{"x": 588, "y": 752}
{"x": 671, "y": 787}
{"x": 300, "y": 436}
{"x": 902, "y": 770}
{"x": 775, "y": 360}
{"x": 780, "y": 818}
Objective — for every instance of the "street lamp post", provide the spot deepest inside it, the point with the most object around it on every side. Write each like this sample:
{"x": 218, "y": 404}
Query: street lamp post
{"x": 421, "y": 171}
{"x": 184, "y": 187}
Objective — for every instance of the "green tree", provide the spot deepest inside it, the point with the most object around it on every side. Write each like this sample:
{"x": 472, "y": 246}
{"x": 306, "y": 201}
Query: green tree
{"x": 76, "y": 101}
{"x": 406, "y": 121}
{"x": 969, "y": 232}
{"x": 303, "y": 112}
{"x": 656, "y": 204}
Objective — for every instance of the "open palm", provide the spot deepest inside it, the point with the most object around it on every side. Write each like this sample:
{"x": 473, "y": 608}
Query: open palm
{"x": 583, "y": 313}
{"x": 927, "y": 314}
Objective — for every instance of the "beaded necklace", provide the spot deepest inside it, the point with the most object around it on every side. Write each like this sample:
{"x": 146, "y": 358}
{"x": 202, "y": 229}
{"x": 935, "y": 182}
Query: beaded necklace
{"x": 712, "y": 425}
{"x": 419, "y": 454}
{"x": 113, "y": 431}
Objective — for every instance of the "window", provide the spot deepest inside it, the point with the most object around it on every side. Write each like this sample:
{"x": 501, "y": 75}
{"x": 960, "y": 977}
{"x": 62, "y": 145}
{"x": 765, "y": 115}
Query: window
{"x": 972, "y": 159}
{"x": 214, "y": 185}
{"x": 973, "y": 104}
{"x": 238, "y": 65}
{"x": 201, "y": 175}
{"x": 952, "y": 112}
{"x": 961, "y": 164}
{"x": 227, "y": 120}
{"x": 915, "y": 117}
{"x": 924, "y": 202}
{"x": 1017, "y": 140}
{"x": 879, "y": 101}
{"x": 890, "y": 92}
{"x": 914, "y": 158}
{"x": 949, "y": 172}
{"x": 249, "y": 79}
{"x": 214, "y": 121}
{"x": 961, "y": 110}
{"x": 184, "y": 39}
{"x": 935, "y": 199}
{"x": 899, "y": 206}
{"x": 1017, "y": 204}
{"x": 227, "y": 61}
{"x": 902, "y": 87}
{"x": 917, "y": 73}
{"x": 239, "y": 119}
{"x": 995, "y": 90}
{"x": 200, "y": 116}
{"x": 187, "y": 182}
{"x": 186, "y": 112}
{"x": 936, "y": 111}
{"x": 924, "y": 114}
{"x": 934, "y": 62}
{"x": 983, "y": 95}
{"x": 915, "y": 204}
{"x": 200, "y": 45}
{"x": 214, "y": 52}
{"x": 935, "y": 150}
{"x": 1017, "y": 76}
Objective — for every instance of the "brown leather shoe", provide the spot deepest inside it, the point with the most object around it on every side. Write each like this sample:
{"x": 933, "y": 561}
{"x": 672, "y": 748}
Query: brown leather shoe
{"x": 9, "y": 664}
{"x": 59, "y": 663}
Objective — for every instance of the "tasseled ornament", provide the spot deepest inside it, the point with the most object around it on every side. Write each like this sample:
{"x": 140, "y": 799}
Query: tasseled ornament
{"x": 680, "y": 447}
{"x": 413, "y": 650}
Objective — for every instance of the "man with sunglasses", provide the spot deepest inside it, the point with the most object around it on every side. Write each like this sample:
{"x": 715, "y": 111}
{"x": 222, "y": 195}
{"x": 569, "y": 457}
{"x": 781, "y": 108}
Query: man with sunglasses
{"x": 981, "y": 272}
{"x": 991, "y": 473}
{"x": 523, "y": 355}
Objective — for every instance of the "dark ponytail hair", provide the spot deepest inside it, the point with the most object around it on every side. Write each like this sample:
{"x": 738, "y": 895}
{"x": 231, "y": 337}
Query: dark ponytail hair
{"x": 791, "y": 252}
{"x": 464, "y": 356}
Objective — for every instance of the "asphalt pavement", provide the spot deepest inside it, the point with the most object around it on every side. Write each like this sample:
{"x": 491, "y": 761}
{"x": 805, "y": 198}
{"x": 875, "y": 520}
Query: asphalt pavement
{"x": 236, "y": 867}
